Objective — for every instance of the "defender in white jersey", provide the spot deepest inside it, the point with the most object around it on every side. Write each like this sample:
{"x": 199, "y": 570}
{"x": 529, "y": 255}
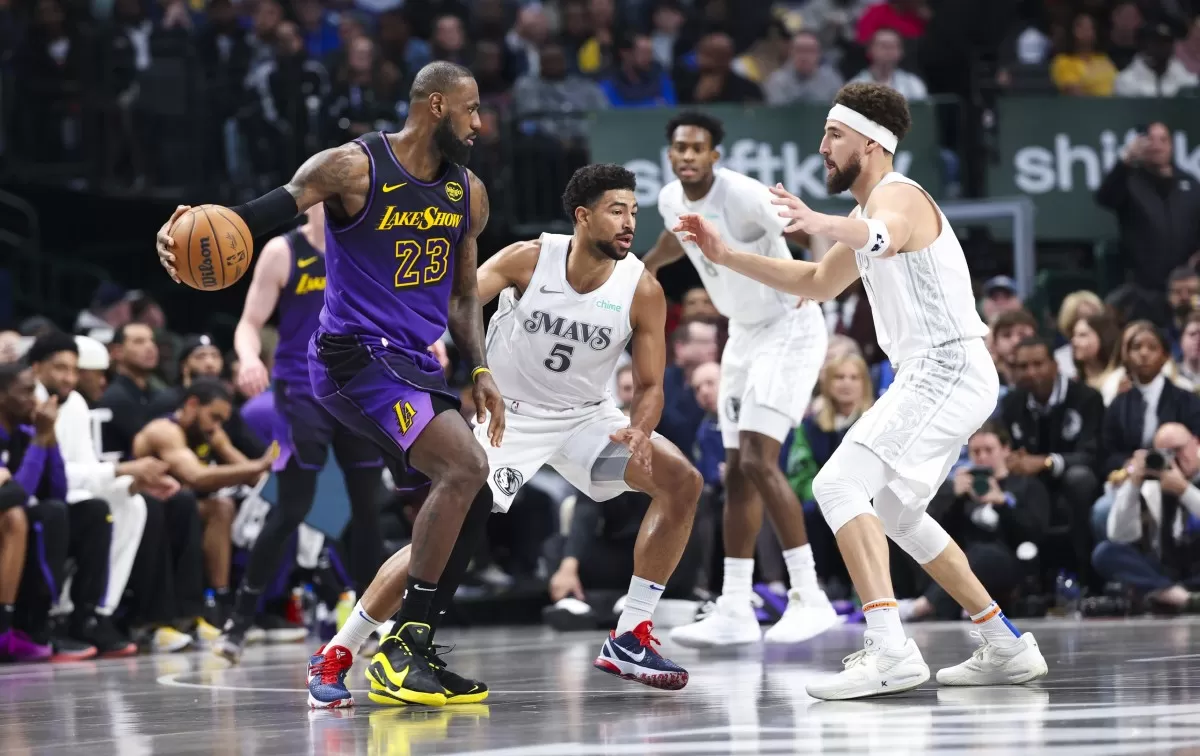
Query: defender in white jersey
{"x": 769, "y": 368}
{"x": 915, "y": 275}
{"x": 568, "y": 306}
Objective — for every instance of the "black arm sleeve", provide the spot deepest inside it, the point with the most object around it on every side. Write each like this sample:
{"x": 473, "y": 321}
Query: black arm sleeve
{"x": 268, "y": 212}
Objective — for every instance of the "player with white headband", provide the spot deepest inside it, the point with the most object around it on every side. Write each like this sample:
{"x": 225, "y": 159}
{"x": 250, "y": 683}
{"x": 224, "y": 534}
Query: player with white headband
{"x": 898, "y": 453}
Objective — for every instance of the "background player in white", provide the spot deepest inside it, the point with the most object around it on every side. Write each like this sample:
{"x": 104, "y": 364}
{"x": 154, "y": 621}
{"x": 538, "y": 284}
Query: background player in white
{"x": 770, "y": 366}
{"x": 569, "y": 305}
{"x": 916, "y": 277}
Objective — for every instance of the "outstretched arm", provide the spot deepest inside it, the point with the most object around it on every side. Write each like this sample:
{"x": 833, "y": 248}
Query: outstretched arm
{"x": 511, "y": 266}
{"x": 820, "y": 281}
{"x": 892, "y": 205}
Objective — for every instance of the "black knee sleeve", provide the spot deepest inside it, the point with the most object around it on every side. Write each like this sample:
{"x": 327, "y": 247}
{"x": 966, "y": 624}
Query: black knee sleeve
{"x": 297, "y": 487}
{"x": 364, "y": 487}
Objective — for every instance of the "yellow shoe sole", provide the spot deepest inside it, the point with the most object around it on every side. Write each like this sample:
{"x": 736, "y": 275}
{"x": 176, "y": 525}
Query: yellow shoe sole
{"x": 387, "y": 695}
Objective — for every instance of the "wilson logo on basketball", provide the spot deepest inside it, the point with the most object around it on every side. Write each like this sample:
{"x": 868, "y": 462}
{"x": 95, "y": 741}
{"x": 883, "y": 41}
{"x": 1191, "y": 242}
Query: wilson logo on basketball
{"x": 208, "y": 276}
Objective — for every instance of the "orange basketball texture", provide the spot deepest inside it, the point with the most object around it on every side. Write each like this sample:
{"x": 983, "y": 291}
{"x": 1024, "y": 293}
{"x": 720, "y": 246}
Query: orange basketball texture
{"x": 213, "y": 247}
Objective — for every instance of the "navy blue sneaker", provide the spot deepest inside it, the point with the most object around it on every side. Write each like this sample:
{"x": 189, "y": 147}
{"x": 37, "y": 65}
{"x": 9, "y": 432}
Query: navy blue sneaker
{"x": 327, "y": 678}
{"x": 632, "y": 657}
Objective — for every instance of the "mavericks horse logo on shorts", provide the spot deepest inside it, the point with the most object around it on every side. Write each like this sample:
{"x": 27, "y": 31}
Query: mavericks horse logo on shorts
{"x": 508, "y": 480}
{"x": 733, "y": 408}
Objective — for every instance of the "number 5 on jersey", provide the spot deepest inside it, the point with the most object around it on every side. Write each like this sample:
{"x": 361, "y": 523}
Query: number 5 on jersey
{"x": 560, "y": 358}
{"x": 419, "y": 267}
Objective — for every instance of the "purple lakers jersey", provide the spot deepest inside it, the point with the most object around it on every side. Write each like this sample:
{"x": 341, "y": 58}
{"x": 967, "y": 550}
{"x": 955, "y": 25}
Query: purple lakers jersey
{"x": 300, "y": 305}
{"x": 390, "y": 268}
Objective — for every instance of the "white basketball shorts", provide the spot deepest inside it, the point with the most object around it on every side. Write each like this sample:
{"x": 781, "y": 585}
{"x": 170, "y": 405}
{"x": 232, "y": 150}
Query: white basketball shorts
{"x": 575, "y": 442}
{"x": 768, "y": 373}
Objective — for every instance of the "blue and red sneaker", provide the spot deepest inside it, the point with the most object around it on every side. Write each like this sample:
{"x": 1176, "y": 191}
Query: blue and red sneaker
{"x": 327, "y": 678}
{"x": 632, "y": 657}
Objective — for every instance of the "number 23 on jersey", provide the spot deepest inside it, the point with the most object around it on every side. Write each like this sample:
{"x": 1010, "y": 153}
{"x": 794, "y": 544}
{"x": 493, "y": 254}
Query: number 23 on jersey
{"x": 421, "y": 266}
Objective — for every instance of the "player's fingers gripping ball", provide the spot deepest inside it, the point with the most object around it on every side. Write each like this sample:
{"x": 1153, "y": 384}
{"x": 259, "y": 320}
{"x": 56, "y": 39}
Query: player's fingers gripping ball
{"x": 212, "y": 247}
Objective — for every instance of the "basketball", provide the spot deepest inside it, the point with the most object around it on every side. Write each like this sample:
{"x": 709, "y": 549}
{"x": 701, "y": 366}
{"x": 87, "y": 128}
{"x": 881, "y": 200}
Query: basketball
{"x": 213, "y": 247}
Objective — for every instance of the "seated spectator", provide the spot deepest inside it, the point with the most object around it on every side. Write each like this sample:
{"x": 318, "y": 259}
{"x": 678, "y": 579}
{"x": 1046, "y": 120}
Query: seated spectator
{"x": 1155, "y": 71}
{"x": 1075, "y": 307}
{"x": 1124, "y": 24}
{"x": 714, "y": 80}
{"x": 449, "y": 40}
{"x": 803, "y": 78}
{"x": 989, "y": 510}
{"x": 1152, "y": 526}
{"x": 708, "y": 453}
{"x": 1153, "y": 401}
{"x": 625, "y": 387}
{"x": 200, "y": 455}
{"x": 1187, "y": 51}
{"x": 1000, "y": 296}
{"x": 1007, "y": 330}
{"x": 693, "y": 343}
{"x": 56, "y": 532}
{"x": 1183, "y": 297}
{"x": 1156, "y": 208}
{"x": 698, "y": 305}
{"x": 638, "y": 80}
{"x": 525, "y": 39}
{"x": 764, "y": 55}
{"x": 1096, "y": 354}
{"x": 365, "y": 91}
{"x": 1083, "y": 70}
{"x": 55, "y": 360}
{"x": 15, "y": 644}
{"x": 1189, "y": 347}
{"x": 1055, "y": 425}
{"x": 885, "y": 52}
{"x": 1119, "y": 381}
{"x": 596, "y": 52}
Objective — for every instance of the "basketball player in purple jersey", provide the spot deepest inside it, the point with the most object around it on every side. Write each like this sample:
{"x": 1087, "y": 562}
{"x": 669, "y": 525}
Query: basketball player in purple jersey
{"x": 291, "y": 274}
{"x": 402, "y": 221}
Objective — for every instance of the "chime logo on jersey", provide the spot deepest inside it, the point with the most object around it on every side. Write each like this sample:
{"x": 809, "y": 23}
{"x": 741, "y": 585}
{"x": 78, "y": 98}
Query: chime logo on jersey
{"x": 597, "y": 337}
{"x": 508, "y": 480}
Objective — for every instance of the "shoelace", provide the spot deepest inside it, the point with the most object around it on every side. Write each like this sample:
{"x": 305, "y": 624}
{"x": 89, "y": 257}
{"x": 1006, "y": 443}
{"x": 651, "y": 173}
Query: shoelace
{"x": 642, "y": 633}
{"x": 855, "y": 659}
{"x": 434, "y": 654}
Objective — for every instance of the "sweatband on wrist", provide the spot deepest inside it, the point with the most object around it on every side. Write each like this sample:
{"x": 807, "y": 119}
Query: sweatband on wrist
{"x": 478, "y": 372}
{"x": 268, "y": 212}
{"x": 878, "y": 238}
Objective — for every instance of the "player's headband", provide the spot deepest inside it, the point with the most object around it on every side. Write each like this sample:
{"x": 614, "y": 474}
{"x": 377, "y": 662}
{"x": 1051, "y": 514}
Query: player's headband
{"x": 865, "y": 126}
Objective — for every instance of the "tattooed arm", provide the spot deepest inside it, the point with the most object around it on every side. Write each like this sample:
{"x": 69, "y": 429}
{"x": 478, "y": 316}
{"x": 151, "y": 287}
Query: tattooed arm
{"x": 466, "y": 316}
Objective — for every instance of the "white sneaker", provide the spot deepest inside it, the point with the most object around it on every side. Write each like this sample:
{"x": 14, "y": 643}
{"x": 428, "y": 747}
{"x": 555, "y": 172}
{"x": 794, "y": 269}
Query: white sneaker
{"x": 874, "y": 671}
{"x": 731, "y": 623}
{"x": 998, "y": 665}
{"x": 805, "y": 617}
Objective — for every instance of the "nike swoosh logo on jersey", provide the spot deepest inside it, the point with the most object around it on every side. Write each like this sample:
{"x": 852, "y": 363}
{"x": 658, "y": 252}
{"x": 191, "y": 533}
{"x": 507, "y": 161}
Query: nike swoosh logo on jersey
{"x": 392, "y": 187}
{"x": 306, "y": 262}
{"x": 544, "y": 290}
{"x": 632, "y": 657}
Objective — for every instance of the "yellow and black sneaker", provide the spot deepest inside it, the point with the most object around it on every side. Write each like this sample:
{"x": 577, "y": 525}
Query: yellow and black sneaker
{"x": 459, "y": 689}
{"x": 402, "y": 672}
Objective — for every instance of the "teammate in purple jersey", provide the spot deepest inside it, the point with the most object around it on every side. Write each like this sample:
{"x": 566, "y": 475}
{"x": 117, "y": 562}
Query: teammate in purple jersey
{"x": 291, "y": 274}
{"x": 402, "y": 222}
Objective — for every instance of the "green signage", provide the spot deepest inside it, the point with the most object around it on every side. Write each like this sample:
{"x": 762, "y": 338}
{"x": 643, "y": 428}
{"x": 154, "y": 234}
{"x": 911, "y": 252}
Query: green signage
{"x": 1058, "y": 149}
{"x": 770, "y": 144}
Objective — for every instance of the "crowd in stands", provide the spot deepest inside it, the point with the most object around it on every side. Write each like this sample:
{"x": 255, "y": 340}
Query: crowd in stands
{"x": 134, "y": 476}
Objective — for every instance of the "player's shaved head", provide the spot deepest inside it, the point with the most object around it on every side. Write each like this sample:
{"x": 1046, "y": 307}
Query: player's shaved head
{"x": 439, "y": 76}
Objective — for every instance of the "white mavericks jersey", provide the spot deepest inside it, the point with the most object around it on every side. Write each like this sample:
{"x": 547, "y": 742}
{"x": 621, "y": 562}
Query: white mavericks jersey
{"x": 742, "y": 211}
{"x": 554, "y": 347}
{"x": 920, "y": 299}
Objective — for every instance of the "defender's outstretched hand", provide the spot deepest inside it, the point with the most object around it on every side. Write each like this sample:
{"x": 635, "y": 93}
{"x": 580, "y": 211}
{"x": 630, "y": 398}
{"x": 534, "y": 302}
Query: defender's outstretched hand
{"x": 802, "y": 216}
{"x": 703, "y": 233}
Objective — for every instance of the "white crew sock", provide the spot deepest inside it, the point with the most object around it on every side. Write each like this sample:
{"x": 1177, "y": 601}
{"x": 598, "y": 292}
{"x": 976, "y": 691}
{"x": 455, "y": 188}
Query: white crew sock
{"x": 883, "y": 621}
{"x": 359, "y": 626}
{"x": 639, "y": 603}
{"x": 995, "y": 627}
{"x": 803, "y": 571}
{"x": 738, "y": 584}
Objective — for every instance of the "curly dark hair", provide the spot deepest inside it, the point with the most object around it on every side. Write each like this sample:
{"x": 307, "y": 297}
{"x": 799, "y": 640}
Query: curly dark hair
{"x": 590, "y": 182}
{"x": 882, "y": 104}
{"x": 716, "y": 131}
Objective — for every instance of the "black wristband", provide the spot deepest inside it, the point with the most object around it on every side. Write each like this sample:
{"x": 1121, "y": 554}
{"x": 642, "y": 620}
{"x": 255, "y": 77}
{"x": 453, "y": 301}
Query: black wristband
{"x": 268, "y": 212}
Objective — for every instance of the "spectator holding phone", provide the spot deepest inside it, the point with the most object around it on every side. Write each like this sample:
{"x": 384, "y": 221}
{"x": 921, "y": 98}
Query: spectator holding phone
{"x": 1157, "y": 208}
{"x": 1153, "y": 526}
{"x": 990, "y": 511}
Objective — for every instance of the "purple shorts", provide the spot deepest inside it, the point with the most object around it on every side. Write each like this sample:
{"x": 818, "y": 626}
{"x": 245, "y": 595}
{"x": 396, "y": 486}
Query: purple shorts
{"x": 305, "y": 430}
{"x": 383, "y": 394}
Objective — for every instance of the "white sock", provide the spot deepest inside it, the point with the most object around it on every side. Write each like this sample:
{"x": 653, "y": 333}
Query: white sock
{"x": 639, "y": 603}
{"x": 802, "y": 570}
{"x": 359, "y": 626}
{"x": 995, "y": 627}
{"x": 739, "y": 577}
{"x": 883, "y": 621}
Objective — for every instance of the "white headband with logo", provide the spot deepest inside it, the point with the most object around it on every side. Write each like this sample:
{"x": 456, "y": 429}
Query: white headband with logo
{"x": 865, "y": 126}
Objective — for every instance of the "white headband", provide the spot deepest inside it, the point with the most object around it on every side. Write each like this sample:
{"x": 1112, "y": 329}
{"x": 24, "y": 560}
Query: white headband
{"x": 865, "y": 126}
